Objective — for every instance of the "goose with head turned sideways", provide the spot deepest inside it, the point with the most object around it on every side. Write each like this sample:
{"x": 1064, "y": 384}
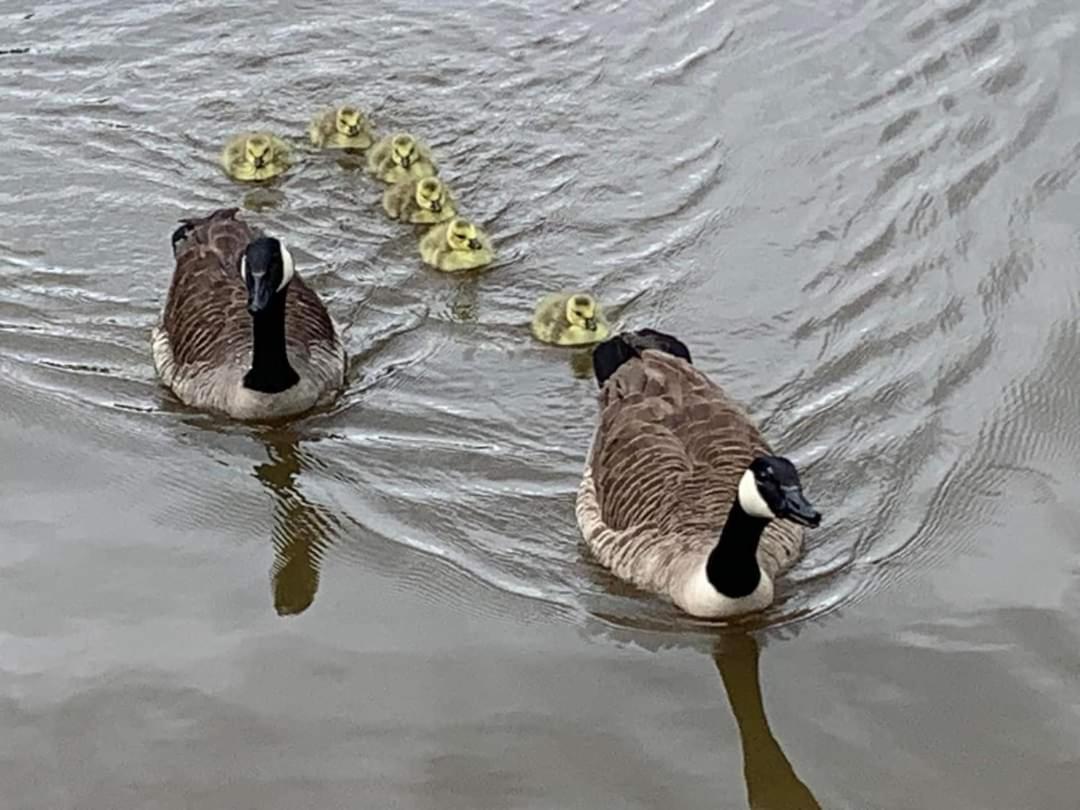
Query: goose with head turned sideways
{"x": 681, "y": 495}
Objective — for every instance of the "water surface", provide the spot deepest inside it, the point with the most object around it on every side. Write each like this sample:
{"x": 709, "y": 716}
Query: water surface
{"x": 860, "y": 216}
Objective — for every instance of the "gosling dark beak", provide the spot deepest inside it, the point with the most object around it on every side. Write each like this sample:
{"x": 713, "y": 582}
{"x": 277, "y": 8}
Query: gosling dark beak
{"x": 590, "y": 324}
{"x": 798, "y": 509}
{"x": 475, "y": 244}
{"x": 260, "y": 162}
{"x": 260, "y": 291}
{"x": 354, "y": 130}
{"x": 436, "y": 206}
{"x": 406, "y": 161}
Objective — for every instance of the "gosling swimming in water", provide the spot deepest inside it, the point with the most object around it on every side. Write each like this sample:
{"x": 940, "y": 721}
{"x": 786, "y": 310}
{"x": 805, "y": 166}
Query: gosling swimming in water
{"x": 456, "y": 245}
{"x": 424, "y": 202}
{"x": 397, "y": 157}
{"x": 253, "y": 156}
{"x": 341, "y": 128}
{"x": 569, "y": 319}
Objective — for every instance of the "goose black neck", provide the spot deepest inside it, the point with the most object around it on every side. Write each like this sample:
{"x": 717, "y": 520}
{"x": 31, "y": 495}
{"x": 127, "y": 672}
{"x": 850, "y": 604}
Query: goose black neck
{"x": 732, "y": 567}
{"x": 270, "y": 370}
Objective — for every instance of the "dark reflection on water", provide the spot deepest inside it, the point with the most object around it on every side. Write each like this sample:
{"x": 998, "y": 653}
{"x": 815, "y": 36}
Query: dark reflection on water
{"x": 771, "y": 781}
{"x": 302, "y": 531}
{"x": 861, "y": 217}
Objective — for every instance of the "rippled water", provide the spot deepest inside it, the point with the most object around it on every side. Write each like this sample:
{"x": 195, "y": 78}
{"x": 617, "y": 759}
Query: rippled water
{"x": 860, "y": 216}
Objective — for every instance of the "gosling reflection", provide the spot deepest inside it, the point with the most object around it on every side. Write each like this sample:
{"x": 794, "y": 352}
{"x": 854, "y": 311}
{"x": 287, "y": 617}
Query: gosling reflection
{"x": 263, "y": 199}
{"x": 463, "y": 303}
{"x": 302, "y": 532}
{"x": 771, "y": 783}
{"x": 581, "y": 363}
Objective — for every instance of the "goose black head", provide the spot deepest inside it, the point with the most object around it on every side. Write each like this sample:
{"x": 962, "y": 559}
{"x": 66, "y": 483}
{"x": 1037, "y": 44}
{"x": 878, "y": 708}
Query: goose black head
{"x": 267, "y": 268}
{"x": 770, "y": 488}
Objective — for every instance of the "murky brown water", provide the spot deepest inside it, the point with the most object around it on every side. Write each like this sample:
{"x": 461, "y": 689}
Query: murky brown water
{"x": 862, "y": 217}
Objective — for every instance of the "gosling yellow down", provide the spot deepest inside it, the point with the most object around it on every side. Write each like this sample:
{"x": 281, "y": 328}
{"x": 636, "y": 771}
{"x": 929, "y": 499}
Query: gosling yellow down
{"x": 456, "y": 245}
{"x": 399, "y": 156}
{"x": 425, "y": 201}
{"x": 569, "y": 319}
{"x": 253, "y": 156}
{"x": 341, "y": 128}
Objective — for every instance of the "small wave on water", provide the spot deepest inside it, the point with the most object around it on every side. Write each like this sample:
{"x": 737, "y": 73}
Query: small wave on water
{"x": 831, "y": 207}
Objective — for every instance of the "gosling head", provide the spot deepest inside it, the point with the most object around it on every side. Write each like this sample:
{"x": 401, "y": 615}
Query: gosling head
{"x": 267, "y": 268}
{"x": 430, "y": 194}
{"x": 349, "y": 121}
{"x": 770, "y": 488}
{"x": 404, "y": 150}
{"x": 258, "y": 150}
{"x": 581, "y": 311}
{"x": 462, "y": 235}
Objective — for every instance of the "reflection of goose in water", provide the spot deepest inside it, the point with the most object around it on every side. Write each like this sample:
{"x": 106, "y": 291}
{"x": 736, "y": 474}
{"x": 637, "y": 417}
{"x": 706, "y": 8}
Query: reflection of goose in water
{"x": 771, "y": 783}
{"x": 302, "y": 532}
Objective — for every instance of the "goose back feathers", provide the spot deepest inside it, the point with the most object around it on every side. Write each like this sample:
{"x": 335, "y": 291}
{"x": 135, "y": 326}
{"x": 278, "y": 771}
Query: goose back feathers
{"x": 217, "y": 356}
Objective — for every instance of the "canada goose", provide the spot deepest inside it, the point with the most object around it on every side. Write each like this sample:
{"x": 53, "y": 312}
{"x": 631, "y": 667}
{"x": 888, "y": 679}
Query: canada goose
{"x": 423, "y": 201}
{"x": 681, "y": 495}
{"x": 241, "y": 333}
{"x": 456, "y": 245}
{"x": 341, "y": 128}
{"x": 396, "y": 157}
{"x": 569, "y": 319}
{"x": 255, "y": 156}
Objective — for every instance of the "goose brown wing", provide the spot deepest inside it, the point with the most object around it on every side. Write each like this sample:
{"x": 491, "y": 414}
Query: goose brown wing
{"x": 205, "y": 313}
{"x": 307, "y": 321}
{"x": 671, "y": 447}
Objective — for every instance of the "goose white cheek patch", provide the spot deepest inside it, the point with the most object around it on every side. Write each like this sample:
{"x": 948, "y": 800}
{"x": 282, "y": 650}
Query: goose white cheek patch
{"x": 750, "y": 499}
{"x": 287, "y": 267}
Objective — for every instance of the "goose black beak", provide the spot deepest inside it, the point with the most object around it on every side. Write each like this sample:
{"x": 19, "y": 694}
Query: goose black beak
{"x": 260, "y": 291}
{"x": 590, "y": 324}
{"x": 475, "y": 244}
{"x": 798, "y": 509}
{"x": 436, "y": 206}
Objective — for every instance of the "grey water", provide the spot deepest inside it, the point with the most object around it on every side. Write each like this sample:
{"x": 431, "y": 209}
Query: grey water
{"x": 862, "y": 218}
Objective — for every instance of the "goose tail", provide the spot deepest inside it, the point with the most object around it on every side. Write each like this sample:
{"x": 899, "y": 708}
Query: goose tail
{"x": 189, "y": 226}
{"x": 611, "y": 354}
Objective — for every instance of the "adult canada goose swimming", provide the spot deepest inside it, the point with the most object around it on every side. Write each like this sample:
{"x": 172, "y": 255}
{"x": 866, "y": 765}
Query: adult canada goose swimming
{"x": 241, "y": 333}
{"x": 681, "y": 495}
